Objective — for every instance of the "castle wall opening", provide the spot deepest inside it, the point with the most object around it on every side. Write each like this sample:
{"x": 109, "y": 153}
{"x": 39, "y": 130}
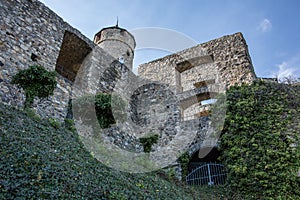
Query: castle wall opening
{"x": 197, "y": 105}
{"x": 71, "y": 55}
{"x": 194, "y": 70}
{"x": 211, "y": 157}
{"x": 195, "y": 111}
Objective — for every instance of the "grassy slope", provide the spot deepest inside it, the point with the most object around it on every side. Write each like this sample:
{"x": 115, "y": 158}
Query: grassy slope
{"x": 38, "y": 160}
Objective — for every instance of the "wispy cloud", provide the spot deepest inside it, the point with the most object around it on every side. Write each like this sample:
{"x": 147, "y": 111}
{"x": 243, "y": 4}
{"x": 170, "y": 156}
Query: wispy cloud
{"x": 265, "y": 25}
{"x": 290, "y": 68}
{"x": 285, "y": 70}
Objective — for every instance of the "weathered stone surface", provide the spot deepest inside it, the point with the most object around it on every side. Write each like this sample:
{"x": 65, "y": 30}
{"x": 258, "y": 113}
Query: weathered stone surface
{"x": 165, "y": 99}
{"x": 118, "y": 42}
{"x": 230, "y": 63}
{"x": 31, "y": 28}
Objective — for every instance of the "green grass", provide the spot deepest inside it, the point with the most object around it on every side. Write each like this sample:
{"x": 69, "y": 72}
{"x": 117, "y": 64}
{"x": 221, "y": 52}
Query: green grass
{"x": 42, "y": 161}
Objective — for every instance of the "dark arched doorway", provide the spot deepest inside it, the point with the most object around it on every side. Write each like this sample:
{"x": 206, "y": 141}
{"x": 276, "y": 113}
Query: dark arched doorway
{"x": 211, "y": 157}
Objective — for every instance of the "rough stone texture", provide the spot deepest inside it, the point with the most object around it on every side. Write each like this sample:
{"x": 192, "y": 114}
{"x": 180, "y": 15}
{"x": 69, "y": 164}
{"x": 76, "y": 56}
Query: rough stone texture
{"x": 225, "y": 59}
{"x": 195, "y": 75}
{"x": 153, "y": 108}
{"x": 166, "y": 99}
{"x": 195, "y": 111}
{"x": 118, "y": 42}
{"x": 32, "y": 34}
{"x": 224, "y": 62}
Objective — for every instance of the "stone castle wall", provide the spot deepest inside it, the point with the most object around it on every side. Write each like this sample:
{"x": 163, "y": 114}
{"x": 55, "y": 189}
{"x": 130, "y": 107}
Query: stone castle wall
{"x": 32, "y": 34}
{"x": 224, "y": 62}
{"x": 169, "y": 103}
{"x": 225, "y": 59}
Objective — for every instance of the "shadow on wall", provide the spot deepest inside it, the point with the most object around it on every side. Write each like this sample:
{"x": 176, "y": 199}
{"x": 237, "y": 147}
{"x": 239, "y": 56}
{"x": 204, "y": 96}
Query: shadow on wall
{"x": 71, "y": 55}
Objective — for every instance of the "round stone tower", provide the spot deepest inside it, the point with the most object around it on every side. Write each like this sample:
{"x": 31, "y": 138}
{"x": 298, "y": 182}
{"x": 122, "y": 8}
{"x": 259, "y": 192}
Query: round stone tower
{"x": 118, "y": 42}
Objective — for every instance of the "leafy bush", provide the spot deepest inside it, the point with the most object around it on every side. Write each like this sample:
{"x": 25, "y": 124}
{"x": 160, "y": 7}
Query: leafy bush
{"x": 70, "y": 125}
{"x": 54, "y": 123}
{"x": 260, "y": 141}
{"x": 30, "y": 112}
{"x": 106, "y": 106}
{"x": 148, "y": 141}
{"x": 36, "y": 81}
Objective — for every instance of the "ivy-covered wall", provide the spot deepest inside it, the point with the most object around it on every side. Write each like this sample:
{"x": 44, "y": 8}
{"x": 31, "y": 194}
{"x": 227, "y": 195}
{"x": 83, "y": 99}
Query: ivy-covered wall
{"x": 260, "y": 143}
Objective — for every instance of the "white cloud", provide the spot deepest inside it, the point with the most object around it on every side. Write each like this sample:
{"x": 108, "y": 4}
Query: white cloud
{"x": 265, "y": 25}
{"x": 285, "y": 70}
{"x": 290, "y": 68}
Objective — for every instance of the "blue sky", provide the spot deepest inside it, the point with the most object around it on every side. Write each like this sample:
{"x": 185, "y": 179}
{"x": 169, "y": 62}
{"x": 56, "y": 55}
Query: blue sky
{"x": 271, "y": 27}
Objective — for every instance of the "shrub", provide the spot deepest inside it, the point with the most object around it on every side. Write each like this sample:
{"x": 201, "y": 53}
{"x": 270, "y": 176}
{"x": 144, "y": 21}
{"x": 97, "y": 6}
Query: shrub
{"x": 36, "y": 81}
{"x": 54, "y": 123}
{"x": 69, "y": 124}
{"x": 260, "y": 140}
{"x": 148, "y": 141}
{"x": 30, "y": 113}
{"x": 103, "y": 104}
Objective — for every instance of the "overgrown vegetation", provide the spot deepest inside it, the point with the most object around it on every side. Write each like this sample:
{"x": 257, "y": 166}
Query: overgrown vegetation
{"x": 36, "y": 81}
{"x": 148, "y": 141}
{"x": 260, "y": 140}
{"x": 184, "y": 160}
{"x": 70, "y": 125}
{"x": 39, "y": 161}
{"x": 108, "y": 108}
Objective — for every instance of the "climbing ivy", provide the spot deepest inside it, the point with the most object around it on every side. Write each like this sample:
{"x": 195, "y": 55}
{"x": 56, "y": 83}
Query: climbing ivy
{"x": 260, "y": 140}
{"x": 184, "y": 160}
{"x": 36, "y": 81}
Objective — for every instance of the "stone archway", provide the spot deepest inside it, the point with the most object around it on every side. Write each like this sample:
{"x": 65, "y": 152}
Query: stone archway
{"x": 211, "y": 157}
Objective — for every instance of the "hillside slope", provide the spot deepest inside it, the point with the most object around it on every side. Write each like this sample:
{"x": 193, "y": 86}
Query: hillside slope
{"x": 40, "y": 159}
